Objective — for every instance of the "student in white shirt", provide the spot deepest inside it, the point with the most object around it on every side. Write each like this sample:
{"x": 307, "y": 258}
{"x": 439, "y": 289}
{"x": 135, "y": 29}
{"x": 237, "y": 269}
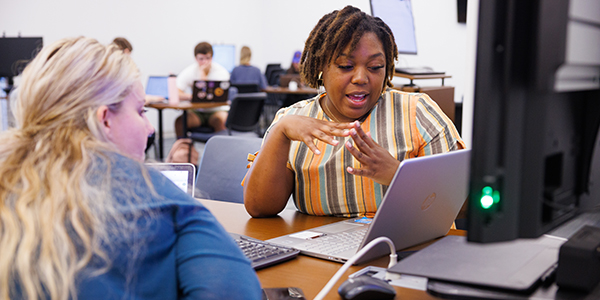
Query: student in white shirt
{"x": 203, "y": 69}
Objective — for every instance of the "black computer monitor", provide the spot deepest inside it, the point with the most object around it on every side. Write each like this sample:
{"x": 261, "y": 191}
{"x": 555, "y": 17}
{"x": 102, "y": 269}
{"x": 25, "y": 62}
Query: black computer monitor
{"x": 397, "y": 14}
{"x": 15, "y": 53}
{"x": 536, "y": 117}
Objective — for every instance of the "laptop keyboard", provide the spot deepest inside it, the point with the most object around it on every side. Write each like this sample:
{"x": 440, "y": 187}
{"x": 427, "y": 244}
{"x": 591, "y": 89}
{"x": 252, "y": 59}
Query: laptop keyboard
{"x": 263, "y": 254}
{"x": 336, "y": 243}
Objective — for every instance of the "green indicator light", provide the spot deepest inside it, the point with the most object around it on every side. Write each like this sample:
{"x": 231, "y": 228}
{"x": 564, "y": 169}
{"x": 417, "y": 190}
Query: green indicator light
{"x": 486, "y": 201}
{"x": 488, "y": 197}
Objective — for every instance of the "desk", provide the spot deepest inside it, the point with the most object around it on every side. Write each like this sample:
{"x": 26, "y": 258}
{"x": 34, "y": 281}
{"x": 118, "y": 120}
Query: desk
{"x": 184, "y": 105}
{"x": 308, "y": 273}
{"x": 415, "y": 77}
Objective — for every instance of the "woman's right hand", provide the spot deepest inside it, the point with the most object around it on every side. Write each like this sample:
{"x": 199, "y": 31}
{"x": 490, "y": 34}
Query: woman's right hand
{"x": 307, "y": 130}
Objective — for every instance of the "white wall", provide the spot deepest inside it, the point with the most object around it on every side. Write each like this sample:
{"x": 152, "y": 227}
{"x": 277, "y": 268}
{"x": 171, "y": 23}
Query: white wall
{"x": 164, "y": 33}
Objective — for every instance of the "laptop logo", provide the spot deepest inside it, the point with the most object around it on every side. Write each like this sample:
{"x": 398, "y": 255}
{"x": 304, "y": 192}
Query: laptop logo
{"x": 428, "y": 202}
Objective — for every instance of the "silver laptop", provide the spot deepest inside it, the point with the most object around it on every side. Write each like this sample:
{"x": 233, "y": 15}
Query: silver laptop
{"x": 181, "y": 174}
{"x": 421, "y": 203}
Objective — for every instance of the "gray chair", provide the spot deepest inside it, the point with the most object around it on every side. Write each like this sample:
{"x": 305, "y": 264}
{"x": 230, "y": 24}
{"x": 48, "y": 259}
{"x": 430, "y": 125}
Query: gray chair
{"x": 223, "y": 167}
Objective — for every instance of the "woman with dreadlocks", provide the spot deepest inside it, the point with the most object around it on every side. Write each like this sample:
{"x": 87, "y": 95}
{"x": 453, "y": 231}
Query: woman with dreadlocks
{"x": 338, "y": 152}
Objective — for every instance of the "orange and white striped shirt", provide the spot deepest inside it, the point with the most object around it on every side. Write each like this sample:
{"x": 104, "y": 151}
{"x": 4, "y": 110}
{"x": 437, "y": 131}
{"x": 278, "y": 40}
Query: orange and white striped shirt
{"x": 406, "y": 124}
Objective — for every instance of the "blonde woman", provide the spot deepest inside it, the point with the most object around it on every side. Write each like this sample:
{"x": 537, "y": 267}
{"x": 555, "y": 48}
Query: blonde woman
{"x": 80, "y": 216}
{"x": 246, "y": 73}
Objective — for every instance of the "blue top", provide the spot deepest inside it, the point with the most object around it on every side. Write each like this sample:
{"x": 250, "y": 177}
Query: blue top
{"x": 182, "y": 251}
{"x": 247, "y": 75}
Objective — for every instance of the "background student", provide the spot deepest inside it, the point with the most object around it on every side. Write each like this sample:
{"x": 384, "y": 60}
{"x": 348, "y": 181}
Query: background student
{"x": 338, "y": 152}
{"x": 81, "y": 215}
{"x": 246, "y": 73}
{"x": 203, "y": 69}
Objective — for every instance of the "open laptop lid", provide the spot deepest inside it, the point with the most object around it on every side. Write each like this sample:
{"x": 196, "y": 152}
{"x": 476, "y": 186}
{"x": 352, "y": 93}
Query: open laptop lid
{"x": 158, "y": 85}
{"x": 420, "y": 204}
{"x": 210, "y": 91}
{"x": 182, "y": 174}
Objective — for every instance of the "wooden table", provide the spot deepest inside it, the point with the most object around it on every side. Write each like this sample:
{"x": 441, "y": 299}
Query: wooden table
{"x": 183, "y": 105}
{"x": 308, "y": 273}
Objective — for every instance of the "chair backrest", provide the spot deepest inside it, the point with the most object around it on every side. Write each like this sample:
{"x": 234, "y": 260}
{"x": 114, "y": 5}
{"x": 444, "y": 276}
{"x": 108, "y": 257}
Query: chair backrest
{"x": 223, "y": 167}
{"x": 245, "y": 111}
{"x": 244, "y": 88}
{"x": 270, "y": 68}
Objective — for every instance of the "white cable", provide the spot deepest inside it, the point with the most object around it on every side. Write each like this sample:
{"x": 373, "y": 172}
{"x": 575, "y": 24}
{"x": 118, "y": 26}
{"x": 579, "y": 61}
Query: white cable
{"x": 353, "y": 259}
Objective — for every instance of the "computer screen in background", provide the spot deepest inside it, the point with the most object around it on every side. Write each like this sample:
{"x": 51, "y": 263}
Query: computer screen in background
{"x": 158, "y": 86}
{"x": 16, "y": 52}
{"x": 224, "y": 55}
{"x": 397, "y": 14}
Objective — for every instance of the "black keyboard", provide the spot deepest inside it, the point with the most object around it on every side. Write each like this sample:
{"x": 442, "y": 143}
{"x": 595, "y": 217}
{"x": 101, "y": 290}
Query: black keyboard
{"x": 263, "y": 254}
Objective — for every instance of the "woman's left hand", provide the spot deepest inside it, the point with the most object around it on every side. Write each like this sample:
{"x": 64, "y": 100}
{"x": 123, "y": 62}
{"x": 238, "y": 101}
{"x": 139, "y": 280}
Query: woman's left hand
{"x": 377, "y": 163}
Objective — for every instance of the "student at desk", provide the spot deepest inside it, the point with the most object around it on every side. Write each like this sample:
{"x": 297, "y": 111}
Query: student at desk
{"x": 338, "y": 152}
{"x": 203, "y": 69}
{"x": 80, "y": 214}
{"x": 246, "y": 73}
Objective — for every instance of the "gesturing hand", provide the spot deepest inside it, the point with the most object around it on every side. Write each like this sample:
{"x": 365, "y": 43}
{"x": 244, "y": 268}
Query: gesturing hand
{"x": 377, "y": 163}
{"x": 306, "y": 129}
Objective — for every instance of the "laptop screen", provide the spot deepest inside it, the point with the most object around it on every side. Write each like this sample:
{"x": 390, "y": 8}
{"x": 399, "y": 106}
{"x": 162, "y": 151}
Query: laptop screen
{"x": 157, "y": 85}
{"x": 181, "y": 174}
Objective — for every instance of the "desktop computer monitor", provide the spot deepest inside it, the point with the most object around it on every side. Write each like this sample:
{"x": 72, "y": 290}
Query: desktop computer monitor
{"x": 397, "y": 14}
{"x": 224, "y": 54}
{"x": 536, "y": 117}
{"x": 15, "y": 53}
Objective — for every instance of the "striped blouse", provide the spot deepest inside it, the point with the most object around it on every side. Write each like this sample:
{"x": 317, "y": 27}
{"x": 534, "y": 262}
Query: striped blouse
{"x": 406, "y": 124}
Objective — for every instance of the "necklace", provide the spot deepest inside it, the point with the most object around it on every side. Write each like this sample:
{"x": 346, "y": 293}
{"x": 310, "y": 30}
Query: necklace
{"x": 327, "y": 111}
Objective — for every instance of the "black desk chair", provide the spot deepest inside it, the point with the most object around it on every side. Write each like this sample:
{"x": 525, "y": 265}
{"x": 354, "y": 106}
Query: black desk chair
{"x": 269, "y": 69}
{"x": 243, "y": 119}
{"x": 245, "y": 88}
{"x": 223, "y": 167}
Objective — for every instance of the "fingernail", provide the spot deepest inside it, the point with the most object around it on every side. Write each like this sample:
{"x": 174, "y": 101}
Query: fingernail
{"x": 353, "y": 131}
{"x": 345, "y": 132}
{"x": 349, "y": 144}
{"x": 335, "y": 142}
{"x": 317, "y": 152}
{"x": 349, "y": 169}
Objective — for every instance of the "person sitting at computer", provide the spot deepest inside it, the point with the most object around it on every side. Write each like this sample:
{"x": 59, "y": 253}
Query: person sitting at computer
{"x": 81, "y": 215}
{"x": 338, "y": 152}
{"x": 203, "y": 69}
{"x": 246, "y": 73}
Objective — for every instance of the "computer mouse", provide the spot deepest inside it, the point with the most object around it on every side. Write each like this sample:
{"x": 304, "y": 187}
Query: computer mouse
{"x": 366, "y": 287}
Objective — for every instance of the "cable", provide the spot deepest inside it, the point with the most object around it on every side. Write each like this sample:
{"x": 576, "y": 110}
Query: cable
{"x": 353, "y": 259}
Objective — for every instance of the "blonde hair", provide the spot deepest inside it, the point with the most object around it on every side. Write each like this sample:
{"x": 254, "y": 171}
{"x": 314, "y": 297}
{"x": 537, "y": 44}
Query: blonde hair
{"x": 53, "y": 215}
{"x": 245, "y": 55}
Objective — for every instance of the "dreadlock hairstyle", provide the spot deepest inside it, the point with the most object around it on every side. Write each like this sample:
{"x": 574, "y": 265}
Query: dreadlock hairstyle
{"x": 334, "y": 32}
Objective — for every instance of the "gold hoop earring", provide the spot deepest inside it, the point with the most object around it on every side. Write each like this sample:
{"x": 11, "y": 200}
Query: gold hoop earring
{"x": 320, "y": 83}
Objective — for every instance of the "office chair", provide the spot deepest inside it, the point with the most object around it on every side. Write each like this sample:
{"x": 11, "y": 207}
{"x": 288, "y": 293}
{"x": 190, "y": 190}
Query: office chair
{"x": 269, "y": 70}
{"x": 243, "y": 118}
{"x": 223, "y": 167}
{"x": 245, "y": 88}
